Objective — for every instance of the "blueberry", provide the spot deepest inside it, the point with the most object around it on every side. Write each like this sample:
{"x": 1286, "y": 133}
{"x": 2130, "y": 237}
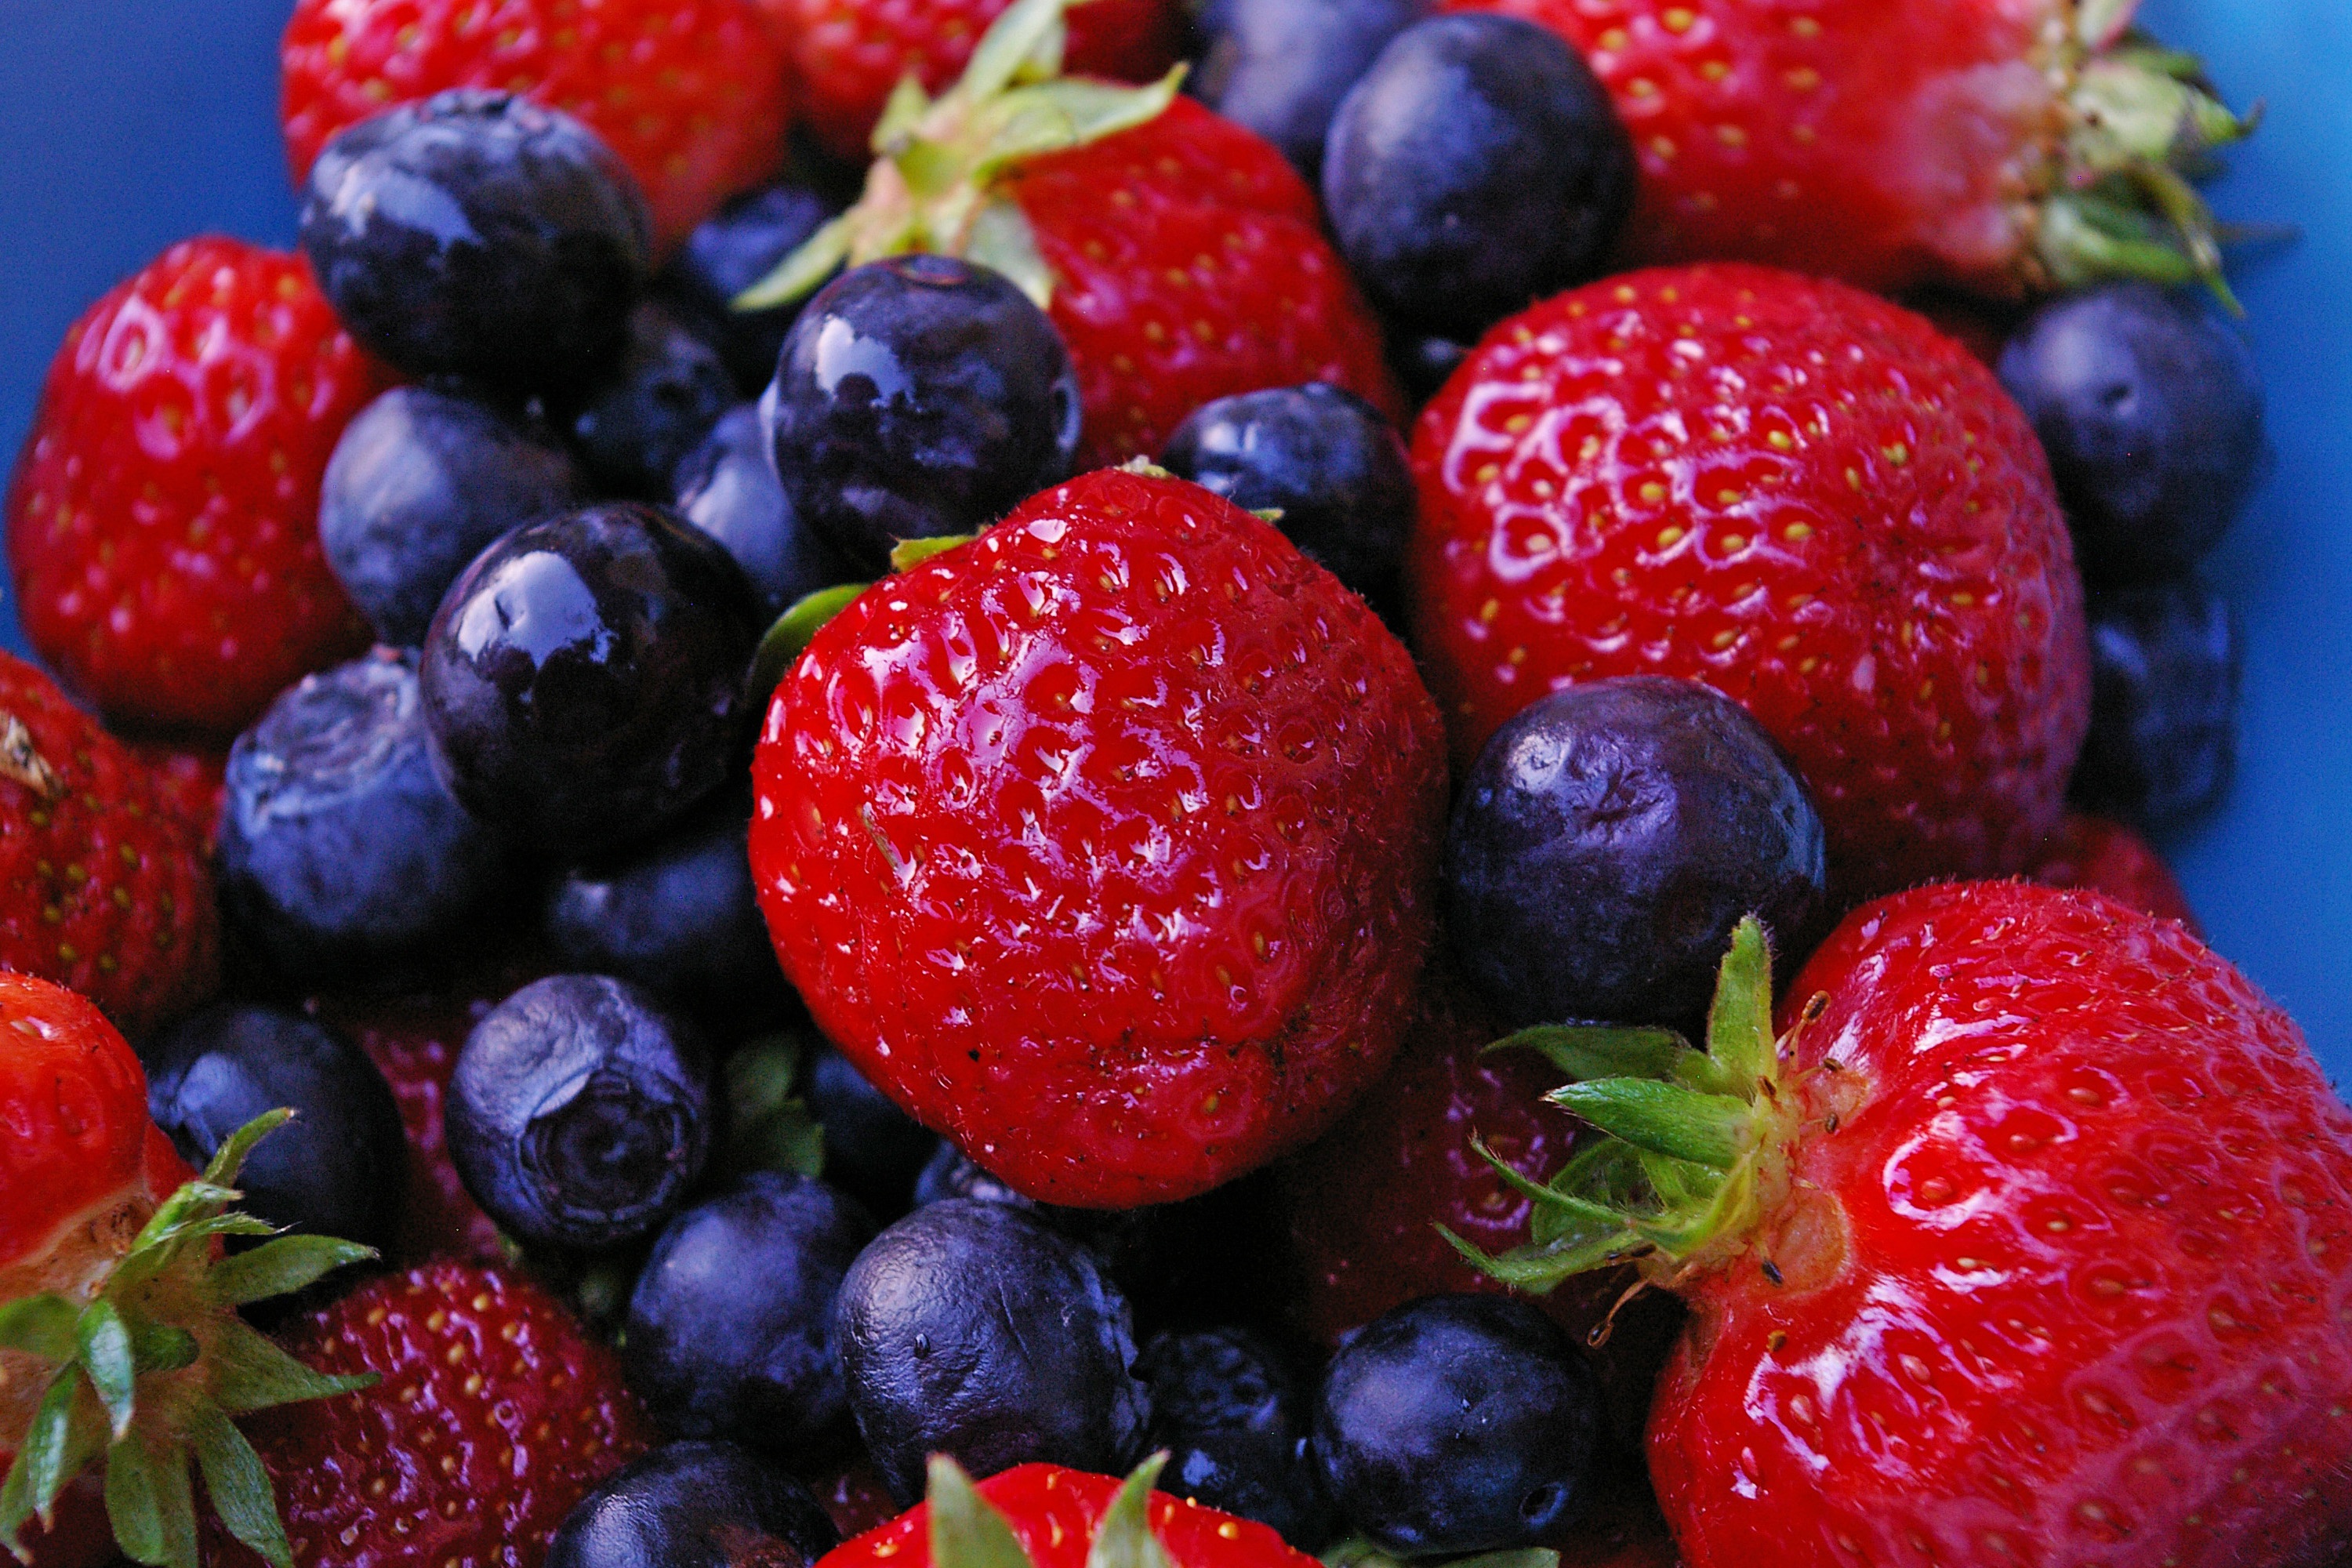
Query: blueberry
{"x": 651, "y": 407}
{"x": 580, "y": 1112}
{"x": 918, "y": 396}
{"x": 1129, "y": 1244}
{"x": 1457, "y": 1424}
{"x": 1476, "y": 166}
{"x": 342, "y": 854}
{"x": 871, "y": 1148}
{"x": 695, "y": 1505}
{"x": 584, "y": 678}
{"x": 421, "y": 481}
{"x": 478, "y": 234}
{"x": 338, "y": 1169}
{"x": 2164, "y": 667}
{"x": 1425, "y": 363}
{"x": 2152, "y": 415}
{"x": 1234, "y": 1422}
{"x": 730, "y": 1326}
{"x": 1325, "y": 458}
{"x": 1281, "y": 66}
{"x": 970, "y": 1329}
{"x": 1608, "y": 840}
{"x": 678, "y": 916}
{"x": 728, "y": 488}
{"x": 729, "y": 253}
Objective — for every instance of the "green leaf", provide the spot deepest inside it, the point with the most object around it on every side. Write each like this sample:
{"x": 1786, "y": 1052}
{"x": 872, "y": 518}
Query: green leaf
{"x": 39, "y": 1325}
{"x": 1708, "y": 1129}
{"x": 1069, "y": 112}
{"x": 805, "y": 269}
{"x": 909, "y": 553}
{"x": 1739, "y": 1023}
{"x": 1613, "y": 1050}
{"x": 149, "y": 1503}
{"x": 238, "y": 1486}
{"x": 902, "y": 111}
{"x": 966, "y": 1532}
{"x": 160, "y": 1347}
{"x": 250, "y": 1372}
{"x": 229, "y": 1158}
{"x": 106, "y": 1359}
{"x": 1001, "y": 239}
{"x": 1577, "y": 1208}
{"x": 1124, "y": 1539}
{"x": 67, "y": 1433}
{"x": 1026, "y": 39}
{"x": 281, "y": 1267}
{"x": 789, "y": 638}
{"x": 759, "y": 1075}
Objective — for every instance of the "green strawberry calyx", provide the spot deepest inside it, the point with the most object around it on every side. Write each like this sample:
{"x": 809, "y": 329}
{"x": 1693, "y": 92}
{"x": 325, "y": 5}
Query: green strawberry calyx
{"x": 152, "y": 1369}
{"x": 967, "y": 1532}
{"x": 932, "y": 185}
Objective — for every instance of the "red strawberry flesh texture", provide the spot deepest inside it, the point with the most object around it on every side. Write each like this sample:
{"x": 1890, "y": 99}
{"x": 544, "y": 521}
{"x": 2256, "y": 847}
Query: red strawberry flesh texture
{"x": 2104, "y": 857}
{"x": 690, "y": 94}
{"x": 1053, "y": 1512}
{"x": 1890, "y": 144}
{"x": 2069, "y": 1276}
{"x": 163, "y": 522}
{"x": 1795, "y": 493}
{"x": 1102, "y": 844}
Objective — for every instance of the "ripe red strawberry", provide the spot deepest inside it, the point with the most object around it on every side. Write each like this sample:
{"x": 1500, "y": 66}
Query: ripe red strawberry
{"x": 1180, "y": 257}
{"x": 1997, "y": 144}
{"x": 192, "y": 780}
{"x": 163, "y": 521}
{"x": 690, "y": 94}
{"x": 2031, "y": 1240}
{"x": 1795, "y": 493}
{"x": 848, "y": 55}
{"x": 104, "y": 885}
{"x": 1102, "y": 843}
{"x": 496, "y": 1414}
{"x": 2104, "y": 857}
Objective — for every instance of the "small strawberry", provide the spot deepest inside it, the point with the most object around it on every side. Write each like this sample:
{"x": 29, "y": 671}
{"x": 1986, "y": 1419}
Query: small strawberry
{"x": 192, "y": 781}
{"x": 163, "y": 521}
{"x": 1792, "y": 492}
{"x": 1102, "y": 843}
{"x": 2104, "y": 857}
{"x": 1998, "y": 146}
{"x": 496, "y": 1413}
{"x": 1179, "y": 256}
{"x": 689, "y": 93}
{"x": 2029, "y": 1239}
{"x": 848, "y": 55}
{"x": 104, "y": 884}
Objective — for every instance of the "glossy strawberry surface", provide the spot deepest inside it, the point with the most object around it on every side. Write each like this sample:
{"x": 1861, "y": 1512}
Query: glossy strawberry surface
{"x": 1795, "y": 493}
{"x": 1102, "y": 844}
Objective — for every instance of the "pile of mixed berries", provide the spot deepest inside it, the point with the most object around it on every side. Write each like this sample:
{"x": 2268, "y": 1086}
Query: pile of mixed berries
{"x": 1345, "y": 776}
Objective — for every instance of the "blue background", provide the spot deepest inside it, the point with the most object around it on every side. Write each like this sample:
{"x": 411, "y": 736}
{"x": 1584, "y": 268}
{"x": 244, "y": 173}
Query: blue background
{"x": 127, "y": 124}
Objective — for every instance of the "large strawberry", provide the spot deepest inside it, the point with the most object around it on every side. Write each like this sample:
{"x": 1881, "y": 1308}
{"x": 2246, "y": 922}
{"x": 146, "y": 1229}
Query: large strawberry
{"x": 2108, "y": 858}
{"x": 1102, "y": 843}
{"x": 104, "y": 882}
{"x": 689, "y": 93}
{"x": 1791, "y": 491}
{"x": 2029, "y": 1240}
{"x": 164, "y": 524}
{"x": 1997, "y": 144}
{"x": 1180, "y": 257}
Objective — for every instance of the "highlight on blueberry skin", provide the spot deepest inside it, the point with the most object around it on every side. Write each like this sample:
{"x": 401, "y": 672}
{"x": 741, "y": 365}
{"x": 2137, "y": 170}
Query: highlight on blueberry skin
{"x": 728, "y": 488}
{"x": 635, "y": 423}
{"x": 1234, "y": 1418}
{"x": 695, "y": 1505}
{"x": 1281, "y": 66}
{"x": 727, "y": 253}
{"x": 580, "y": 1113}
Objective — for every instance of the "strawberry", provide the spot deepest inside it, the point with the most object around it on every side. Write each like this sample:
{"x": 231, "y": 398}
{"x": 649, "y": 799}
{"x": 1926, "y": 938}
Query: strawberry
{"x": 104, "y": 885}
{"x": 1203, "y": 271}
{"x": 690, "y": 94}
{"x": 496, "y": 1413}
{"x": 1996, "y": 146}
{"x": 1102, "y": 844}
{"x": 848, "y": 55}
{"x": 163, "y": 521}
{"x": 1792, "y": 492}
{"x": 2029, "y": 1240}
{"x": 192, "y": 780}
{"x": 2107, "y": 858}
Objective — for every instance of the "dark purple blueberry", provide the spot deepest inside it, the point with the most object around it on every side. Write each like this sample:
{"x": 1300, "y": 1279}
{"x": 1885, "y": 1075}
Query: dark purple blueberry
{"x": 748, "y": 238}
{"x": 2165, "y": 668}
{"x": 651, "y": 406}
{"x": 1234, "y": 1421}
{"x": 1323, "y": 458}
{"x": 1476, "y": 167}
{"x": 918, "y": 396}
{"x": 728, "y": 488}
{"x": 420, "y": 483}
{"x": 580, "y": 1112}
{"x": 871, "y": 1148}
{"x": 478, "y": 234}
{"x": 342, "y": 855}
{"x": 695, "y": 1505}
{"x": 1609, "y": 840}
{"x": 1425, "y": 364}
{"x": 339, "y": 1168}
{"x": 1457, "y": 1424}
{"x": 2151, "y": 411}
{"x": 971, "y": 1330}
{"x": 1128, "y": 1243}
{"x": 584, "y": 678}
{"x": 730, "y": 1325}
{"x": 1281, "y": 66}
